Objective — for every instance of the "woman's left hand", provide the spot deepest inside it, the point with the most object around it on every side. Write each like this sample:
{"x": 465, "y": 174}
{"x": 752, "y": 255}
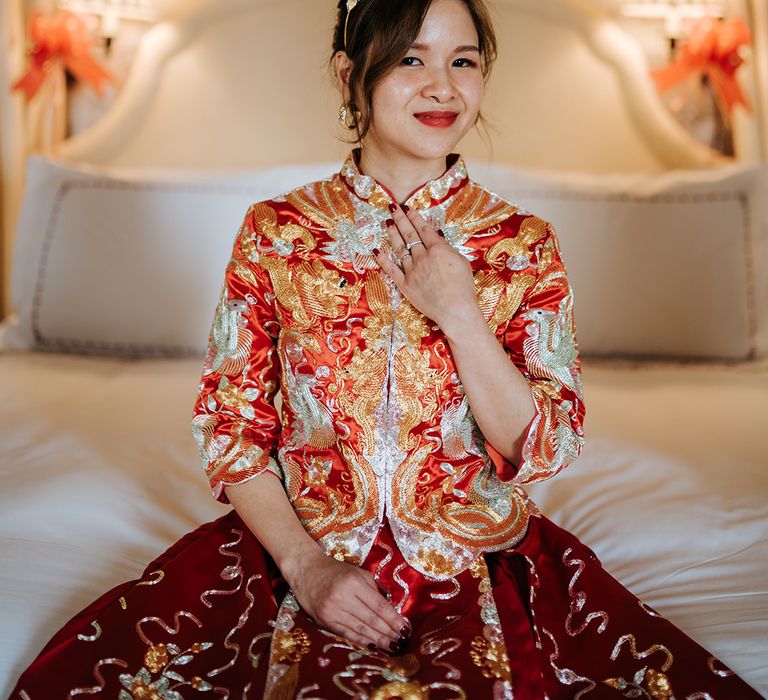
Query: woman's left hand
{"x": 434, "y": 277}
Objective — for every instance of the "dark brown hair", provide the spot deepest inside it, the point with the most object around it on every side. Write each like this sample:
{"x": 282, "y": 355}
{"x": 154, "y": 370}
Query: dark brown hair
{"x": 379, "y": 35}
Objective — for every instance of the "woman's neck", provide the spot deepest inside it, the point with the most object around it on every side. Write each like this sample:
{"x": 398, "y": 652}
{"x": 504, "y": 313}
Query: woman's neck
{"x": 401, "y": 176}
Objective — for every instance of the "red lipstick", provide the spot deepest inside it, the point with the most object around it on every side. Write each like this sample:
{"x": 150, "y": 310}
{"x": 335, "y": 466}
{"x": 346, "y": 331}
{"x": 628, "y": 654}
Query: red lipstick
{"x": 440, "y": 120}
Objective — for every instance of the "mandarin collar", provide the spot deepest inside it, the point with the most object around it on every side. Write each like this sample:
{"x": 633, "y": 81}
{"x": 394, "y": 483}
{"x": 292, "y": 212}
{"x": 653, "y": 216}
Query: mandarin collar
{"x": 430, "y": 194}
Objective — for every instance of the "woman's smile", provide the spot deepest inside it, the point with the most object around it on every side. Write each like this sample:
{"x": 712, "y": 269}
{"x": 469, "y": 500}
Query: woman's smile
{"x": 437, "y": 119}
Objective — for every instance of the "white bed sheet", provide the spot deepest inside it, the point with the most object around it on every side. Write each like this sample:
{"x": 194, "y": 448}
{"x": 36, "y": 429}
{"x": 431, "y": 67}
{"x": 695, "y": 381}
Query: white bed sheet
{"x": 99, "y": 474}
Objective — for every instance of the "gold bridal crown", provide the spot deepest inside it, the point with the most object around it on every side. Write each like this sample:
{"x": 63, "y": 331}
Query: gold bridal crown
{"x": 350, "y": 6}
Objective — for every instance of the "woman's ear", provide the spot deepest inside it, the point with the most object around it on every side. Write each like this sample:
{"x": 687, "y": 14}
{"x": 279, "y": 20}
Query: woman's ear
{"x": 343, "y": 68}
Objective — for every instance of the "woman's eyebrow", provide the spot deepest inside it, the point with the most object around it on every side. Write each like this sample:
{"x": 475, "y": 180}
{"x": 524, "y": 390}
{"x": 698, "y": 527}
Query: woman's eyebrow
{"x": 458, "y": 49}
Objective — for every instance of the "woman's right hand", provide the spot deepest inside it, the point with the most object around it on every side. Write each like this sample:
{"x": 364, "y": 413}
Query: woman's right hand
{"x": 345, "y": 599}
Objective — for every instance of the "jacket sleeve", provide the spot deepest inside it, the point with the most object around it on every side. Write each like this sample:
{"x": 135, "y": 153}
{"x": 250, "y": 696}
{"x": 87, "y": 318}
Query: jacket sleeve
{"x": 235, "y": 422}
{"x": 540, "y": 339}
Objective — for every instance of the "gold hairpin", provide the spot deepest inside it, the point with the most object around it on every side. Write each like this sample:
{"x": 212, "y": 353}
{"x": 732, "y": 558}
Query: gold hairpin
{"x": 350, "y": 6}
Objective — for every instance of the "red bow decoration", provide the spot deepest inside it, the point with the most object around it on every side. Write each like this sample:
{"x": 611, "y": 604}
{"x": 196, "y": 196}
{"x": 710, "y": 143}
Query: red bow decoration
{"x": 712, "y": 50}
{"x": 62, "y": 40}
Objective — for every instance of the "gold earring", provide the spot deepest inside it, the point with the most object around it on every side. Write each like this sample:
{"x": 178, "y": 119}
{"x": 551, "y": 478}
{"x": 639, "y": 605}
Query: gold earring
{"x": 347, "y": 115}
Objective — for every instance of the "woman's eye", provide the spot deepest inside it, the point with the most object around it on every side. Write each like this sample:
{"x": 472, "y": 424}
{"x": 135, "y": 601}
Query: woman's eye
{"x": 465, "y": 62}
{"x": 410, "y": 61}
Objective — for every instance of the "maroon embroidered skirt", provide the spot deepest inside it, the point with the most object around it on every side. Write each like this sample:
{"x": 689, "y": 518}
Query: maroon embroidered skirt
{"x": 212, "y": 617}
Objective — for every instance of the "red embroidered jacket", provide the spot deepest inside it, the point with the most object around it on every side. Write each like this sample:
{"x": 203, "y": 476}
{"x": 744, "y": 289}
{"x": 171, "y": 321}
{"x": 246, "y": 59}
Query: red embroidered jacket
{"x": 374, "y": 422}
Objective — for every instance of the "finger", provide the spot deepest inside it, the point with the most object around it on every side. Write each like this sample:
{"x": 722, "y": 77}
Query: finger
{"x": 351, "y": 635}
{"x": 361, "y": 632}
{"x": 396, "y": 239}
{"x": 380, "y": 604}
{"x": 400, "y": 246}
{"x": 383, "y": 611}
{"x": 414, "y": 244}
{"x": 389, "y": 266}
{"x": 362, "y": 641}
{"x": 369, "y": 616}
{"x": 403, "y": 225}
{"x": 423, "y": 228}
{"x": 403, "y": 256}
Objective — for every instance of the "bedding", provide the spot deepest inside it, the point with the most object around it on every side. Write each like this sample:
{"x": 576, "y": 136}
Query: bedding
{"x": 100, "y": 473}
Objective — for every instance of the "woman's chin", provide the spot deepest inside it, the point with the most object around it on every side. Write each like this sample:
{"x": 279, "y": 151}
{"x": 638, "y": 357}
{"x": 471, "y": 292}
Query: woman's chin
{"x": 433, "y": 149}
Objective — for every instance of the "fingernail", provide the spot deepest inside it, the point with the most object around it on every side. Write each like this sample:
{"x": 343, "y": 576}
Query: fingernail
{"x": 389, "y": 222}
{"x": 405, "y": 208}
{"x": 393, "y": 646}
{"x": 440, "y": 232}
{"x": 372, "y": 646}
{"x": 393, "y": 207}
{"x": 376, "y": 251}
{"x": 404, "y": 630}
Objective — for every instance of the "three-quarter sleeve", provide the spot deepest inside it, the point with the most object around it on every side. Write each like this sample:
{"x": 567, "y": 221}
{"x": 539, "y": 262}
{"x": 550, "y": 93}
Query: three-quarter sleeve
{"x": 235, "y": 423}
{"x": 540, "y": 339}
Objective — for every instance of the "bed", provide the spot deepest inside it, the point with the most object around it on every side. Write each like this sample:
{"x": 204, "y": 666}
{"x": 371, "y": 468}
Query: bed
{"x": 122, "y": 244}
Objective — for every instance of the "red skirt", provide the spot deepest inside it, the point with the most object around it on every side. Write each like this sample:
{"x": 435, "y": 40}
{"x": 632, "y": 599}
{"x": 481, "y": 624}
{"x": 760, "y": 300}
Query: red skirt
{"x": 212, "y": 617}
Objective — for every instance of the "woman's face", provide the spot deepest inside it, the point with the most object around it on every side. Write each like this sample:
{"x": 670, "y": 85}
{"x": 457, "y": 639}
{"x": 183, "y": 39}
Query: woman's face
{"x": 426, "y": 105}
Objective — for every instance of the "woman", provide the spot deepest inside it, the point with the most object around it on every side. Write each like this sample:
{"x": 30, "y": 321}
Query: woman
{"x": 381, "y": 545}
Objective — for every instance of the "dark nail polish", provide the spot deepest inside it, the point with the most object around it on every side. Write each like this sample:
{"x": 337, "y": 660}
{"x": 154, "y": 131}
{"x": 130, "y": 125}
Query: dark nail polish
{"x": 393, "y": 207}
{"x": 389, "y": 222}
{"x": 404, "y": 630}
{"x": 376, "y": 251}
{"x": 394, "y": 646}
{"x": 440, "y": 232}
{"x": 405, "y": 208}
{"x": 372, "y": 646}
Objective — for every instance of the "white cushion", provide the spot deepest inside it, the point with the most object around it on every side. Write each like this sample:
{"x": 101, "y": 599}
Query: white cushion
{"x": 129, "y": 262}
{"x": 122, "y": 261}
{"x": 668, "y": 265}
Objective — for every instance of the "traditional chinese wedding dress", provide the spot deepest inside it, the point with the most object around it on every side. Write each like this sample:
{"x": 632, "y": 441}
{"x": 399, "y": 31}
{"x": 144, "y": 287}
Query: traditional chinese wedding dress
{"x": 381, "y": 458}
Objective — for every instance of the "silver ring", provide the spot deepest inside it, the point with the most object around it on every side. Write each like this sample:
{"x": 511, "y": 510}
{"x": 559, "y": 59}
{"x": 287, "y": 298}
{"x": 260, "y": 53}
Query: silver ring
{"x": 414, "y": 243}
{"x": 403, "y": 256}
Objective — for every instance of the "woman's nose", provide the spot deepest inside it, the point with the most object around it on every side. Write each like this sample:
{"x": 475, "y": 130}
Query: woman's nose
{"x": 439, "y": 86}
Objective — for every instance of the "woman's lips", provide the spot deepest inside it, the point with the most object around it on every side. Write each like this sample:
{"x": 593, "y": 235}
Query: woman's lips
{"x": 440, "y": 120}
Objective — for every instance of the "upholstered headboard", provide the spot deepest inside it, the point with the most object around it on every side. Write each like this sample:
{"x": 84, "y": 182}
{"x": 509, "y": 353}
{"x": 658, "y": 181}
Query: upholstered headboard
{"x": 671, "y": 263}
{"x": 244, "y": 83}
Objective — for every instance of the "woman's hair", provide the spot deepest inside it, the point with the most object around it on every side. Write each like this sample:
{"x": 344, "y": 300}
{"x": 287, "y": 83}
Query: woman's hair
{"x": 379, "y": 35}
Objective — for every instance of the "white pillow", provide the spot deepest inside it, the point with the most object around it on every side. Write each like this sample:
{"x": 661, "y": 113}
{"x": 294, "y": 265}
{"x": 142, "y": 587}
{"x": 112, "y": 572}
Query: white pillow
{"x": 124, "y": 261}
{"x": 671, "y": 265}
{"x": 129, "y": 262}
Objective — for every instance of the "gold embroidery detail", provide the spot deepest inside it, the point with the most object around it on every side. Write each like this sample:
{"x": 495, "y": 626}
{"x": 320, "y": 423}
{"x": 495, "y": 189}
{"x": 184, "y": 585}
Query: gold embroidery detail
{"x": 654, "y": 683}
{"x": 141, "y": 690}
{"x": 436, "y": 563}
{"x": 658, "y": 685}
{"x": 491, "y": 658}
{"x": 474, "y": 210}
{"x": 532, "y": 230}
{"x": 290, "y": 646}
{"x": 499, "y": 300}
{"x": 156, "y": 658}
{"x": 406, "y": 665}
{"x": 403, "y": 690}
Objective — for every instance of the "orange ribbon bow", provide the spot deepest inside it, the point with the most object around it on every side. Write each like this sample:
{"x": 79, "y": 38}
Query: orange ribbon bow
{"x": 62, "y": 40}
{"x": 712, "y": 50}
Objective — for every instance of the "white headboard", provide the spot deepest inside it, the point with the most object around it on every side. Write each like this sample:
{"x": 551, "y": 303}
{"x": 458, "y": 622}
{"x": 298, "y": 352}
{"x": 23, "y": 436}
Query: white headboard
{"x": 244, "y": 83}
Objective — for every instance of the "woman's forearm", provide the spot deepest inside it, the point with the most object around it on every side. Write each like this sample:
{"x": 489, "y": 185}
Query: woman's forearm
{"x": 263, "y": 505}
{"x": 498, "y": 394}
